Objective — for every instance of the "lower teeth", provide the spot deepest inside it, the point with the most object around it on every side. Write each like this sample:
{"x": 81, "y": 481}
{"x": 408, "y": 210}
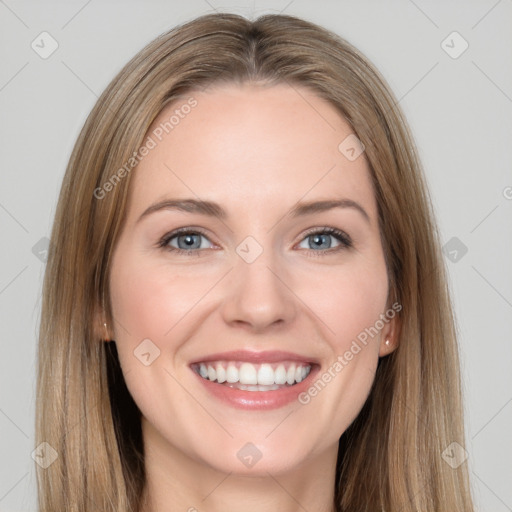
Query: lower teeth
{"x": 254, "y": 387}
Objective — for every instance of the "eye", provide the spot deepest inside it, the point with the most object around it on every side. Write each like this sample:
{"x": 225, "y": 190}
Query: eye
{"x": 185, "y": 240}
{"x": 326, "y": 239}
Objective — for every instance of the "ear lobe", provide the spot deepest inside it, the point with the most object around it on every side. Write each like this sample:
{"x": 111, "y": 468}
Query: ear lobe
{"x": 389, "y": 337}
{"x": 102, "y": 332}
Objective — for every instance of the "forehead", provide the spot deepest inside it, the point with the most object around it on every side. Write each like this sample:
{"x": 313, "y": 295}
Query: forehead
{"x": 250, "y": 146}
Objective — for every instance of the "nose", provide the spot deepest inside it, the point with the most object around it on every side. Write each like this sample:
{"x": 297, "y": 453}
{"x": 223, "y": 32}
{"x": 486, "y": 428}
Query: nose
{"x": 258, "y": 295}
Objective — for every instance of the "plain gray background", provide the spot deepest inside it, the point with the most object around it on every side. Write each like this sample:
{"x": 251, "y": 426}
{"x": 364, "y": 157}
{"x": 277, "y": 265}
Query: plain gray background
{"x": 459, "y": 107}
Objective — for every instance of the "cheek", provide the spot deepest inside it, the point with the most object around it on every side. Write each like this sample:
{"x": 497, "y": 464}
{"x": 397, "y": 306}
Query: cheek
{"x": 350, "y": 306}
{"x": 349, "y": 302}
{"x": 148, "y": 301}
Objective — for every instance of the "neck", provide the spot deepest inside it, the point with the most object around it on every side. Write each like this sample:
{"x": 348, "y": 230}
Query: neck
{"x": 175, "y": 481}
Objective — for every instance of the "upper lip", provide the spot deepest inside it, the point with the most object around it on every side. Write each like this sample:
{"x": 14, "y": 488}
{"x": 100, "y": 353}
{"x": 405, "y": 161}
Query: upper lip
{"x": 267, "y": 356}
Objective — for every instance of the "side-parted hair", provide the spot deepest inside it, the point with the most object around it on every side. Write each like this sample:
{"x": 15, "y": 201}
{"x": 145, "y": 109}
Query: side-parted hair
{"x": 390, "y": 458}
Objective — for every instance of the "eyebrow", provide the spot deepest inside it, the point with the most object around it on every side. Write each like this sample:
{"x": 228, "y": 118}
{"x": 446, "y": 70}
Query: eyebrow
{"x": 212, "y": 209}
{"x": 321, "y": 206}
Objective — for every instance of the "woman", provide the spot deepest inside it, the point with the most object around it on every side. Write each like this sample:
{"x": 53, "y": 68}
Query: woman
{"x": 245, "y": 301}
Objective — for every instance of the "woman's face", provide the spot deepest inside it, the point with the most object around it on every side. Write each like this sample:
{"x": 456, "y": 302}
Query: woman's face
{"x": 270, "y": 283}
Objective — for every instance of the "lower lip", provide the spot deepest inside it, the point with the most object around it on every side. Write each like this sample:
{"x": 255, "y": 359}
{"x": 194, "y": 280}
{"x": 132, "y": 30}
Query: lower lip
{"x": 258, "y": 400}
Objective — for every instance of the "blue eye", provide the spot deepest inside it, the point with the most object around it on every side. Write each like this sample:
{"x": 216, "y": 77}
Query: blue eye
{"x": 184, "y": 241}
{"x": 188, "y": 241}
{"x": 325, "y": 239}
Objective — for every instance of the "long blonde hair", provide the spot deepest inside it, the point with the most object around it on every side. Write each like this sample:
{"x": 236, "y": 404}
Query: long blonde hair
{"x": 390, "y": 458}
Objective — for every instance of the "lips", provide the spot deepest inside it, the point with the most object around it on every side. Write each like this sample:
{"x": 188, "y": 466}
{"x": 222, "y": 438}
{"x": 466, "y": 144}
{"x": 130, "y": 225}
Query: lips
{"x": 255, "y": 380}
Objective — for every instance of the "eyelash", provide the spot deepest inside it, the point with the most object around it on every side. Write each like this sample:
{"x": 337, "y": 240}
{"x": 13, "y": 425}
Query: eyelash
{"x": 343, "y": 238}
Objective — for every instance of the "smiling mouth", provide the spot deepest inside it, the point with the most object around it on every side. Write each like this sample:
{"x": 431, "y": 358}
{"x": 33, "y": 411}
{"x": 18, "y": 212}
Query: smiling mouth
{"x": 253, "y": 377}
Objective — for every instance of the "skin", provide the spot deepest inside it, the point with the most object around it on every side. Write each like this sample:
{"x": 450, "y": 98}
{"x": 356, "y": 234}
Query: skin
{"x": 256, "y": 150}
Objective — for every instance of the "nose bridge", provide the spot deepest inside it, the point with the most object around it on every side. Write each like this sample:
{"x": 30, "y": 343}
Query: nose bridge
{"x": 256, "y": 293}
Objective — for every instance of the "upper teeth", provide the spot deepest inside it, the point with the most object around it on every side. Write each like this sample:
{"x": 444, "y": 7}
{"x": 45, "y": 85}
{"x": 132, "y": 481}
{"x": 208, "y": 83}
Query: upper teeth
{"x": 248, "y": 373}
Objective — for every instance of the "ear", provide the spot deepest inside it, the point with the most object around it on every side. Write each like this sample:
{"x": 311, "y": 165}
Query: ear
{"x": 390, "y": 334}
{"x": 102, "y": 330}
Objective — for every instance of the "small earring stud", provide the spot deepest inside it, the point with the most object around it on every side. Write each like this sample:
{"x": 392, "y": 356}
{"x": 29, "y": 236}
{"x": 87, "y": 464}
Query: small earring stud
{"x": 387, "y": 343}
